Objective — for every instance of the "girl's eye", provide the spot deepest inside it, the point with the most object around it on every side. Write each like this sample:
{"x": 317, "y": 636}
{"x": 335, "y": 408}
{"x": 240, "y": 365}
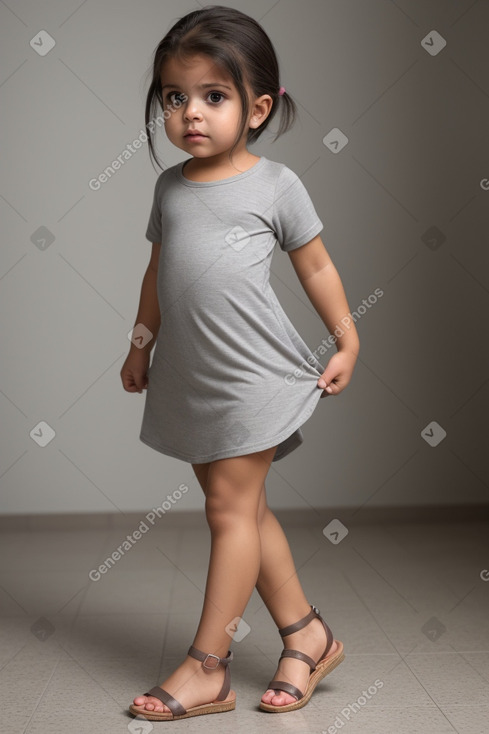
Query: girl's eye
{"x": 181, "y": 97}
{"x": 216, "y": 93}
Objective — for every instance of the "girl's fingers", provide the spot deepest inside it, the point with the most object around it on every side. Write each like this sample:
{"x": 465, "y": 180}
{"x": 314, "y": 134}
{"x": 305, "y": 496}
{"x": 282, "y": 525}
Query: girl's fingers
{"x": 331, "y": 388}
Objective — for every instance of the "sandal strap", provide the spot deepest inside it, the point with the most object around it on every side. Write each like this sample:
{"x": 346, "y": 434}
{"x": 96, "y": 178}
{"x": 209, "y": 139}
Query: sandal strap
{"x": 299, "y": 656}
{"x": 329, "y": 638}
{"x": 175, "y": 707}
{"x": 284, "y": 631}
{"x": 280, "y": 685}
{"x": 212, "y": 665}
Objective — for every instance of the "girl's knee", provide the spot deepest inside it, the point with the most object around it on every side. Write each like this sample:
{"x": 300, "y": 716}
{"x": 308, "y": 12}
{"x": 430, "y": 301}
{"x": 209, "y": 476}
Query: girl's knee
{"x": 226, "y": 505}
{"x": 234, "y": 489}
{"x": 218, "y": 504}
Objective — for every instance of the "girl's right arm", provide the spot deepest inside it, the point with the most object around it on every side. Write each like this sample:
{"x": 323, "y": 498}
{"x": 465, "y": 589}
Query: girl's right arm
{"x": 134, "y": 370}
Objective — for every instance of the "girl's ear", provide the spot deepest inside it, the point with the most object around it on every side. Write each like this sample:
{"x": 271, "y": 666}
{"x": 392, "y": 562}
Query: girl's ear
{"x": 261, "y": 110}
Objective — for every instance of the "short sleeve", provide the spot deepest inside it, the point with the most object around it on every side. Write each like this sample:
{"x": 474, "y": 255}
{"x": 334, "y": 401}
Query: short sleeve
{"x": 295, "y": 219}
{"x": 153, "y": 230}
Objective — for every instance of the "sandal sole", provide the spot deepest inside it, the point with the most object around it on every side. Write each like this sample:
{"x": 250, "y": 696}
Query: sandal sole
{"x": 322, "y": 669}
{"x": 207, "y": 708}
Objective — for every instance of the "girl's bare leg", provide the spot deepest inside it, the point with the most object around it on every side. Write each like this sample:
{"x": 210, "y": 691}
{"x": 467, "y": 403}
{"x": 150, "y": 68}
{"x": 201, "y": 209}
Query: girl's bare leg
{"x": 233, "y": 491}
{"x": 280, "y": 589}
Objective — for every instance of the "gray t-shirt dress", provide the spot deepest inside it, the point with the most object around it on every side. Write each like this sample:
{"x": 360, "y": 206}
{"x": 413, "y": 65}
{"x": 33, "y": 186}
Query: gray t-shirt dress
{"x": 230, "y": 375}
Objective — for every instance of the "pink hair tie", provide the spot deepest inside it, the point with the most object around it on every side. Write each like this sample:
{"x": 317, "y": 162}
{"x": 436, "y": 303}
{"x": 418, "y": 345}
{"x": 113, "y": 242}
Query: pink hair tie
{"x": 281, "y": 91}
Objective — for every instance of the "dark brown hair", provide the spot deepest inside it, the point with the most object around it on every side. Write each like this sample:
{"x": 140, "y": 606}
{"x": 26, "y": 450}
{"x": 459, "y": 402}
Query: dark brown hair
{"x": 240, "y": 46}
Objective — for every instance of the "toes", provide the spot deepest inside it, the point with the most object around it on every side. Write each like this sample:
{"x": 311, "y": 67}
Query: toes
{"x": 282, "y": 699}
{"x": 158, "y": 706}
{"x": 140, "y": 704}
{"x": 277, "y": 699}
{"x": 267, "y": 696}
{"x": 151, "y": 704}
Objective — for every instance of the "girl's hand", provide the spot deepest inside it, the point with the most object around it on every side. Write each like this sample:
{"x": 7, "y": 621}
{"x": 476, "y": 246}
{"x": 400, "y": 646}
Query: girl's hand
{"x": 134, "y": 372}
{"x": 338, "y": 373}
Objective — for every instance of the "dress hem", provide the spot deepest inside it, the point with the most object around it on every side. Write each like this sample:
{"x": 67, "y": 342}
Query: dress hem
{"x": 240, "y": 451}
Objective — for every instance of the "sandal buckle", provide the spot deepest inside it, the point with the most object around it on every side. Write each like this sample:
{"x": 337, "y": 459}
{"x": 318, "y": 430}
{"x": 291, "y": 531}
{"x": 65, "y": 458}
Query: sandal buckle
{"x": 315, "y": 609}
{"x": 211, "y": 667}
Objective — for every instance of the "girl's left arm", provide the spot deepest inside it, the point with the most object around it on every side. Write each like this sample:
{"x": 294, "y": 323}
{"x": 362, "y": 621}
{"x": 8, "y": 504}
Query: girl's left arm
{"x": 322, "y": 283}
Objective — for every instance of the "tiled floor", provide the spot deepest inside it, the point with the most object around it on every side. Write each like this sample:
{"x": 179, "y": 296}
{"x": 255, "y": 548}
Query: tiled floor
{"x": 408, "y": 601}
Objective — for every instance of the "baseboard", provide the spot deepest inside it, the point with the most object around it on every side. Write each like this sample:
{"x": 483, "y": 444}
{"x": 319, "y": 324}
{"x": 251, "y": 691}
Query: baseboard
{"x": 347, "y": 515}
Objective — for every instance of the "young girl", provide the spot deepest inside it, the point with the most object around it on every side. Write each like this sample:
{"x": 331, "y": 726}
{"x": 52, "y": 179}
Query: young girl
{"x": 231, "y": 381}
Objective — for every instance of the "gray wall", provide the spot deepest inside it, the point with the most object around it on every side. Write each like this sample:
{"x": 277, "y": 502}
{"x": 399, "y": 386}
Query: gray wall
{"x": 404, "y": 205}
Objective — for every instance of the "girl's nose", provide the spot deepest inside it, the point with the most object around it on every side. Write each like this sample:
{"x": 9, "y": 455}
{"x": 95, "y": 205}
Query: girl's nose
{"x": 192, "y": 111}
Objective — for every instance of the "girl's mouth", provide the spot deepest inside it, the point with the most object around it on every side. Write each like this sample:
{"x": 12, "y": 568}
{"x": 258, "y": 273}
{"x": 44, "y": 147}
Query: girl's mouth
{"x": 195, "y": 137}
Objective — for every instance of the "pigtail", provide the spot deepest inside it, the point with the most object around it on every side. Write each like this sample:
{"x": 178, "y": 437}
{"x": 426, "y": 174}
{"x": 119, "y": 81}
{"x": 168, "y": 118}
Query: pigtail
{"x": 287, "y": 112}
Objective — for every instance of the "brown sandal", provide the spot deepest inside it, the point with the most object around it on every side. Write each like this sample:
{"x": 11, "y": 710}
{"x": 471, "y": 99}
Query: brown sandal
{"x": 220, "y": 704}
{"x": 318, "y": 670}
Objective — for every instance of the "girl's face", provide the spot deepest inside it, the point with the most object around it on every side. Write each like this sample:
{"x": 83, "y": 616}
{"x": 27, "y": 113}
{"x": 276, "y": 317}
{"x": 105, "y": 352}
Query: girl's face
{"x": 210, "y": 104}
